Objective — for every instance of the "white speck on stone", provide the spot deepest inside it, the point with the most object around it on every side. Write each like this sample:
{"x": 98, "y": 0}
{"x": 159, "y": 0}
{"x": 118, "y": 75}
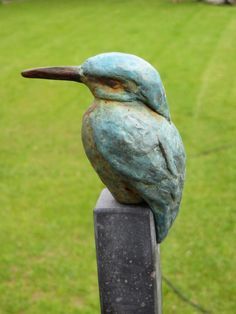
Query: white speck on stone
{"x": 126, "y": 281}
{"x": 143, "y": 304}
{"x": 118, "y": 299}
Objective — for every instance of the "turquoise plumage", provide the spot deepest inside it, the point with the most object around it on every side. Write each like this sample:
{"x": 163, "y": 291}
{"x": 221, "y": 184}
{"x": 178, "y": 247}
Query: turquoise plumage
{"x": 128, "y": 134}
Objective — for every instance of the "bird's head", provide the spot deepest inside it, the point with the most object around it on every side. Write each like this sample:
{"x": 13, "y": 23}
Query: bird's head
{"x": 114, "y": 76}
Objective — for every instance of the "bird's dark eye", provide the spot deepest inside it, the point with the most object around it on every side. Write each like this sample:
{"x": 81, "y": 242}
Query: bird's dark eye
{"x": 110, "y": 82}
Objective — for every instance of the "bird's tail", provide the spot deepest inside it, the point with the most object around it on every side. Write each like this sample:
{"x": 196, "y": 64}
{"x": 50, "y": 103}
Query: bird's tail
{"x": 162, "y": 223}
{"x": 164, "y": 218}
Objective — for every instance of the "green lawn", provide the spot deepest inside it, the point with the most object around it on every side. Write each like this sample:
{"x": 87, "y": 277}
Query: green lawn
{"x": 47, "y": 187}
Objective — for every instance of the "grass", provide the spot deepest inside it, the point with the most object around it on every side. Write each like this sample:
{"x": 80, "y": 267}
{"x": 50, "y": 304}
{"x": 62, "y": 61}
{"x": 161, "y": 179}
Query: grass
{"x": 48, "y": 189}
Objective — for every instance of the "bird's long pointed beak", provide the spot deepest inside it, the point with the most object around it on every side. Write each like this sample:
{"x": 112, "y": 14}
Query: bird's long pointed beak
{"x": 67, "y": 73}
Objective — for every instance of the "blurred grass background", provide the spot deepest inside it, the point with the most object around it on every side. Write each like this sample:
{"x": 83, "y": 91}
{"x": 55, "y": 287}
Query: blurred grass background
{"x": 48, "y": 188}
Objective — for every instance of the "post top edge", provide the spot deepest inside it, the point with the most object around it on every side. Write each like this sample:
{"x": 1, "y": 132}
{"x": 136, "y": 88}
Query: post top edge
{"x": 107, "y": 203}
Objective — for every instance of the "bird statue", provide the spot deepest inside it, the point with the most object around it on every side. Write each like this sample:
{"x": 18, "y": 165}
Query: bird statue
{"x": 127, "y": 132}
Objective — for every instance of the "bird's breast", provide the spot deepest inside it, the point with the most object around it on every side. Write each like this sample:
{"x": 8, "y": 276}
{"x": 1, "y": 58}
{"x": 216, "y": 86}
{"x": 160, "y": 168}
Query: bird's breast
{"x": 137, "y": 153}
{"x": 107, "y": 120}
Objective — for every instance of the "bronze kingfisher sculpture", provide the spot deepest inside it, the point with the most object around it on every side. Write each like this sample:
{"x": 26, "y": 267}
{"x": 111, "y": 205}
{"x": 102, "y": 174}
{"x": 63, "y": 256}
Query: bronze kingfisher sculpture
{"x": 127, "y": 132}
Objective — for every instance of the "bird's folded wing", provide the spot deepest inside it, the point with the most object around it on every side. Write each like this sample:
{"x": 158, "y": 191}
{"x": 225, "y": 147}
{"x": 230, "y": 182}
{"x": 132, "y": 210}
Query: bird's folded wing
{"x": 141, "y": 148}
{"x": 149, "y": 154}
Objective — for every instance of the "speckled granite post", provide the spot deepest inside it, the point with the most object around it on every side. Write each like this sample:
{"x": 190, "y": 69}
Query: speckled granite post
{"x": 127, "y": 257}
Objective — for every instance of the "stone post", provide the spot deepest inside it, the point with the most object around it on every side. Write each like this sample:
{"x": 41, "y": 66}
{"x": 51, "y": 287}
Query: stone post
{"x": 128, "y": 257}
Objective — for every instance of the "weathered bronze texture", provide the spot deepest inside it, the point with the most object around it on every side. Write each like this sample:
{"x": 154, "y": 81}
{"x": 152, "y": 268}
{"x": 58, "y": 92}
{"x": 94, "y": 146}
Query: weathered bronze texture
{"x": 128, "y": 134}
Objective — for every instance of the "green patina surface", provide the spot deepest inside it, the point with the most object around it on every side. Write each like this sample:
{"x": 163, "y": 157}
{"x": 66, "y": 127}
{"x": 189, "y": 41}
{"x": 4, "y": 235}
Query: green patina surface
{"x": 127, "y": 133}
{"x": 132, "y": 134}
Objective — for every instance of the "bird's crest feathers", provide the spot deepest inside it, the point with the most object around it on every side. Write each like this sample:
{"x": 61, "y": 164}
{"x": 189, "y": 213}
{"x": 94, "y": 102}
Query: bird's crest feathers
{"x": 128, "y": 67}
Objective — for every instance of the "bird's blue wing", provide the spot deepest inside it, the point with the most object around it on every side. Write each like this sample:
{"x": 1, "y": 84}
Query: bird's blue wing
{"x": 148, "y": 152}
